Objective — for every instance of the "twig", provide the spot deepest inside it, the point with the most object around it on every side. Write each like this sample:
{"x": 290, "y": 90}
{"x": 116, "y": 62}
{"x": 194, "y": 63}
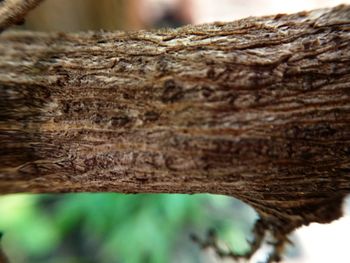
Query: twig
{"x": 13, "y": 11}
{"x": 261, "y": 227}
{"x": 3, "y": 258}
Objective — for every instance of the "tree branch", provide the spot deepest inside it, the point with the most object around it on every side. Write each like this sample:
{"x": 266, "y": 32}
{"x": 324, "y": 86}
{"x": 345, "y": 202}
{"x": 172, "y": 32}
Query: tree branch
{"x": 13, "y": 11}
{"x": 257, "y": 109}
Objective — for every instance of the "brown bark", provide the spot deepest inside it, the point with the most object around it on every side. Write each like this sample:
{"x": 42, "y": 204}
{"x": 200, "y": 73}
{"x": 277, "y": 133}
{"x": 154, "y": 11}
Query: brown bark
{"x": 257, "y": 109}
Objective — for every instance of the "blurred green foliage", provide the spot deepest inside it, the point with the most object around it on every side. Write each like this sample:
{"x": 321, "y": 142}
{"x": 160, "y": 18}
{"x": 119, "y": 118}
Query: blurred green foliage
{"x": 84, "y": 228}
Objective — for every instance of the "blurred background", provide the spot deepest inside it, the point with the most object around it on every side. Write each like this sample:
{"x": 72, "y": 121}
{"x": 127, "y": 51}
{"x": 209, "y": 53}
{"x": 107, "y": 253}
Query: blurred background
{"x": 116, "y": 228}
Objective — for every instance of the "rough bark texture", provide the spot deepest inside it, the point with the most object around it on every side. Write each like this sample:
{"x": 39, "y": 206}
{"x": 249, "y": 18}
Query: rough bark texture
{"x": 257, "y": 109}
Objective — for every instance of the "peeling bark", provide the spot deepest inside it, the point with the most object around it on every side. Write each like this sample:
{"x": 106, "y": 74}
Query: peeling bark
{"x": 257, "y": 109}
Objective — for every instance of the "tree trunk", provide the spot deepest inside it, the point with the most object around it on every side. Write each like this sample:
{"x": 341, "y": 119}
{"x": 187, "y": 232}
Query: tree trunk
{"x": 257, "y": 109}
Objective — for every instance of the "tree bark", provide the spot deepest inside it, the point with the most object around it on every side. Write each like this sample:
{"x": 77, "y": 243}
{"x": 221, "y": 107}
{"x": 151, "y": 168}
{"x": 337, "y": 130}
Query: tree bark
{"x": 257, "y": 109}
